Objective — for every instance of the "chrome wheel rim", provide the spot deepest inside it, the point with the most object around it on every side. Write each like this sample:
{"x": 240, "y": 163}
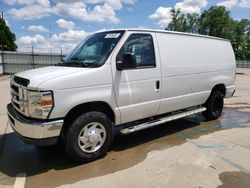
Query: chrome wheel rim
{"x": 92, "y": 137}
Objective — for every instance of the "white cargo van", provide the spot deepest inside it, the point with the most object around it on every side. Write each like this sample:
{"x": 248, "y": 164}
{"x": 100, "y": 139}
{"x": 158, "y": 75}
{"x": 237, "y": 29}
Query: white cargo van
{"x": 125, "y": 80}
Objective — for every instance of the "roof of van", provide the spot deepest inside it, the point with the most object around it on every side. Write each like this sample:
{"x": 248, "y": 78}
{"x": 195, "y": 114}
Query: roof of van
{"x": 169, "y": 32}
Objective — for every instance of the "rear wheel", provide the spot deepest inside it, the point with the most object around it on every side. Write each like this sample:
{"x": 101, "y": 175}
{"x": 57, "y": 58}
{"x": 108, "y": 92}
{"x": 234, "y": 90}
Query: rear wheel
{"x": 89, "y": 136}
{"x": 214, "y": 106}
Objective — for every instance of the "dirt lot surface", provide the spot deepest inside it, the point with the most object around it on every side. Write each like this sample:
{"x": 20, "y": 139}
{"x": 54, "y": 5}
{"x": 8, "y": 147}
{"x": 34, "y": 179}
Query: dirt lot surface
{"x": 190, "y": 152}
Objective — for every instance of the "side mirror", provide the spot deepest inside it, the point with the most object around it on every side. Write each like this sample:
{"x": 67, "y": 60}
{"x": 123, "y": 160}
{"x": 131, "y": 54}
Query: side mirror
{"x": 129, "y": 62}
{"x": 119, "y": 65}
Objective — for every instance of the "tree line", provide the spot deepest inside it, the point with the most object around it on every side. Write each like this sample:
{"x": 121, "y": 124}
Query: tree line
{"x": 7, "y": 38}
{"x": 216, "y": 21}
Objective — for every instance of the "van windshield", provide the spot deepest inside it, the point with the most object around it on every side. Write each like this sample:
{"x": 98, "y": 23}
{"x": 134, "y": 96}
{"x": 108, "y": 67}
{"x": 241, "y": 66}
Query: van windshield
{"x": 93, "y": 51}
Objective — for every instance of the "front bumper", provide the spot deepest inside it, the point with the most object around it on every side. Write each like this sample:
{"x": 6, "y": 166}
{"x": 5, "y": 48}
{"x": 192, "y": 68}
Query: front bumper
{"x": 38, "y": 132}
{"x": 230, "y": 90}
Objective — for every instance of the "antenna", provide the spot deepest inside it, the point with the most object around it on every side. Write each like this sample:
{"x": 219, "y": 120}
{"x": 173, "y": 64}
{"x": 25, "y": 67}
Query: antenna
{"x": 50, "y": 37}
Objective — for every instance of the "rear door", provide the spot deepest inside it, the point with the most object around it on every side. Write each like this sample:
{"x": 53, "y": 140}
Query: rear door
{"x": 138, "y": 90}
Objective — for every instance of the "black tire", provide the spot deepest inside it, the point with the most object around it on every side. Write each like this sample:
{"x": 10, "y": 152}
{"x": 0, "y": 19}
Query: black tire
{"x": 72, "y": 143}
{"x": 214, "y": 106}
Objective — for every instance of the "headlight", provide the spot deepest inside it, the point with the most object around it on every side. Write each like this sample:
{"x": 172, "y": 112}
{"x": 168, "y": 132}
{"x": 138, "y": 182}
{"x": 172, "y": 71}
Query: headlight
{"x": 40, "y": 104}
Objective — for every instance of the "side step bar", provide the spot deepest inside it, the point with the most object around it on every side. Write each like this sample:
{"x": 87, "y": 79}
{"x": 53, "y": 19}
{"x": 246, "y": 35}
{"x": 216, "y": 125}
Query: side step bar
{"x": 159, "y": 121}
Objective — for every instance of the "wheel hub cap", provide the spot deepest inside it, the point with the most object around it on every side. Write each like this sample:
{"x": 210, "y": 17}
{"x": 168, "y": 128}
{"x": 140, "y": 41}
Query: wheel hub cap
{"x": 92, "y": 137}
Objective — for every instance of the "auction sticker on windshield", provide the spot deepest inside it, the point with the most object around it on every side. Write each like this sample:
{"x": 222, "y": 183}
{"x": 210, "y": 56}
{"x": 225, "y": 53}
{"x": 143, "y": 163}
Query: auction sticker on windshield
{"x": 112, "y": 35}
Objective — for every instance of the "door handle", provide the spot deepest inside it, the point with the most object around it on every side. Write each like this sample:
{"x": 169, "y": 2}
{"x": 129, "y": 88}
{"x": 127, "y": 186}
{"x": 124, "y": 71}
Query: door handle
{"x": 157, "y": 85}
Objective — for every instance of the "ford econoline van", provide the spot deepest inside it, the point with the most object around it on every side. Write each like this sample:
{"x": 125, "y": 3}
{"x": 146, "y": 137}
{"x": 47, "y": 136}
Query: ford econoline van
{"x": 126, "y": 80}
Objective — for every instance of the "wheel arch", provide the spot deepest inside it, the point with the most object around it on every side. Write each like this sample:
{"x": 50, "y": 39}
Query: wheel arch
{"x": 219, "y": 87}
{"x": 99, "y": 106}
{"x": 214, "y": 103}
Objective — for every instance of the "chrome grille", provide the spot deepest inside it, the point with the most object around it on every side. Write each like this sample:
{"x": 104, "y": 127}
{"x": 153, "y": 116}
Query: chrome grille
{"x": 19, "y": 97}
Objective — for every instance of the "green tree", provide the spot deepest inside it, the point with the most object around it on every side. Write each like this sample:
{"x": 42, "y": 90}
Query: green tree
{"x": 177, "y": 23}
{"x": 248, "y": 42}
{"x": 192, "y": 23}
{"x": 216, "y": 21}
{"x": 7, "y": 38}
{"x": 240, "y": 39}
{"x": 183, "y": 23}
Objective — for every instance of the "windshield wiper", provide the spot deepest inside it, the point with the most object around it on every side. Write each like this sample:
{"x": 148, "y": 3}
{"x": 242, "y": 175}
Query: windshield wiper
{"x": 78, "y": 61}
{"x": 60, "y": 63}
{"x": 74, "y": 64}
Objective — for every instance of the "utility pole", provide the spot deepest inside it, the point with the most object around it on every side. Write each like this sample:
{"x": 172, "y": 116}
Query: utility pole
{"x": 2, "y": 43}
{"x": 50, "y": 44}
{"x": 2, "y": 36}
{"x": 33, "y": 58}
{"x": 50, "y": 37}
{"x": 61, "y": 54}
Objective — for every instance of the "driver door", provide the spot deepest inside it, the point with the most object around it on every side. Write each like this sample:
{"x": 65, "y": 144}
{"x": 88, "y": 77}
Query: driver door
{"x": 137, "y": 90}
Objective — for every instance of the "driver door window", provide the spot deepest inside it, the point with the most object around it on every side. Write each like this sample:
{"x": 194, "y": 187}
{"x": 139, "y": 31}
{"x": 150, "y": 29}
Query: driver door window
{"x": 141, "y": 46}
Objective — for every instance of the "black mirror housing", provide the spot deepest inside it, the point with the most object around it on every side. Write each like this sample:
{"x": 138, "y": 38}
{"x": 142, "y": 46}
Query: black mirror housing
{"x": 119, "y": 65}
{"x": 129, "y": 62}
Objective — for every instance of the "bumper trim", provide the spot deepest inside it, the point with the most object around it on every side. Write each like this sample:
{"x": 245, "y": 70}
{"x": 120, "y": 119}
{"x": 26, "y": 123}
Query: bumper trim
{"x": 39, "y": 142}
{"x": 230, "y": 91}
{"x": 32, "y": 129}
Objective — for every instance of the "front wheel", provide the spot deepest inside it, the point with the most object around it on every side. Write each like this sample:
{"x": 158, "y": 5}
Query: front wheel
{"x": 214, "y": 106}
{"x": 89, "y": 136}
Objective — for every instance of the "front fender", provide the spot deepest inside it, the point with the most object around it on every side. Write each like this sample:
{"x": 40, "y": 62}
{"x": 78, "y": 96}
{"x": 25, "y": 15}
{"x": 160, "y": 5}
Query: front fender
{"x": 67, "y": 99}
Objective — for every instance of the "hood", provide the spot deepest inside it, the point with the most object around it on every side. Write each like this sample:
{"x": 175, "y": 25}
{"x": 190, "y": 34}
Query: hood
{"x": 40, "y": 75}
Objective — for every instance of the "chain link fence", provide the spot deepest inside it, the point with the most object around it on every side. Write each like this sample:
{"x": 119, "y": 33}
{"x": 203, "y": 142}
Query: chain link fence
{"x": 243, "y": 64}
{"x": 13, "y": 62}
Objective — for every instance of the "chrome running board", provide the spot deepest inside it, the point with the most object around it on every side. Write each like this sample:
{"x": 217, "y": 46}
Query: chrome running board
{"x": 159, "y": 121}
